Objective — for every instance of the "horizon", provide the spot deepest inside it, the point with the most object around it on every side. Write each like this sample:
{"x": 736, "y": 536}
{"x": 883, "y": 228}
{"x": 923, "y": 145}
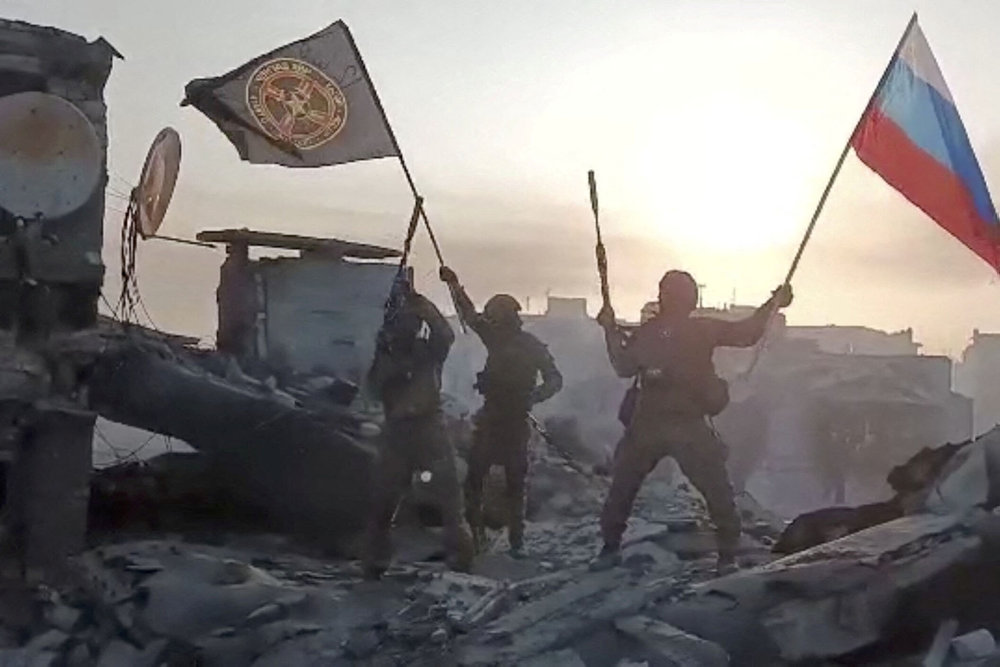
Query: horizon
{"x": 501, "y": 111}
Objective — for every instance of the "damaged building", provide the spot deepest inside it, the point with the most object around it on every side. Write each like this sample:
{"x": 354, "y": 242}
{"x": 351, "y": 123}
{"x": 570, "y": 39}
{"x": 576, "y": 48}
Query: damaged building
{"x": 242, "y": 551}
{"x": 50, "y": 278}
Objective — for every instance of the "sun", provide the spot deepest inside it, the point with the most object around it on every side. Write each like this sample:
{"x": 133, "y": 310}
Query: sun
{"x": 724, "y": 180}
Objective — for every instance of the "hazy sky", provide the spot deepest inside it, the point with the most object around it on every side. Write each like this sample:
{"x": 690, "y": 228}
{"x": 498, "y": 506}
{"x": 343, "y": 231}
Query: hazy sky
{"x": 712, "y": 125}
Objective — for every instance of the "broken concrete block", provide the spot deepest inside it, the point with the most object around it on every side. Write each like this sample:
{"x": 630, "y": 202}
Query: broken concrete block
{"x": 24, "y": 657}
{"x": 119, "y": 654}
{"x": 53, "y": 640}
{"x": 361, "y": 644}
{"x": 963, "y": 483}
{"x": 647, "y": 556}
{"x": 79, "y": 657}
{"x": 838, "y": 598}
{"x": 978, "y": 644}
{"x": 938, "y": 651}
{"x": 63, "y": 617}
{"x": 264, "y": 615}
{"x": 564, "y": 658}
{"x": 672, "y": 647}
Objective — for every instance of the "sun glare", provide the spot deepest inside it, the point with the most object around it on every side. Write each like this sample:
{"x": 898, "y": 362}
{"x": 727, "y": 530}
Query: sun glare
{"x": 725, "y": 180}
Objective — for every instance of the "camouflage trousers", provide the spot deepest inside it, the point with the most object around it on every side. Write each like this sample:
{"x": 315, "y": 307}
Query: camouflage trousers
{"x": 412, "y": 444}
{"x": 699, "y": 453}
{"x": 499, "y": 437}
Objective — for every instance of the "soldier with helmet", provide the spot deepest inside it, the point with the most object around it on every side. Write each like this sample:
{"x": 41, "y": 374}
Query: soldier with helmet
{"x": 405, "y": 375}
{"x": 510, "y": 386}
{"x": 678, "y": 391}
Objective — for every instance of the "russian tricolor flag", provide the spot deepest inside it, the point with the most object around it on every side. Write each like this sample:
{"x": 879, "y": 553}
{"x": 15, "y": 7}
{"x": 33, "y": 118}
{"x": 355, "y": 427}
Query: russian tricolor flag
{"x": 912, "y": 136}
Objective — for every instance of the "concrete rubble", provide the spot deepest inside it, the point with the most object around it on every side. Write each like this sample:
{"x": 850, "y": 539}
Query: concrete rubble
{"x": 244, "y": 551}
{"x": 872, "y": 597}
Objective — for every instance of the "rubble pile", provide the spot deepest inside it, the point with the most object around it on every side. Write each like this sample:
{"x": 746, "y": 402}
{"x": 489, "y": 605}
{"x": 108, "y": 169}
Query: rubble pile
{"x": 918, "y": 585}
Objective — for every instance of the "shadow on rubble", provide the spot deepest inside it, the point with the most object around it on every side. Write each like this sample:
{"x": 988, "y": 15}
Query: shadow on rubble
{"x": 875, "y": 584}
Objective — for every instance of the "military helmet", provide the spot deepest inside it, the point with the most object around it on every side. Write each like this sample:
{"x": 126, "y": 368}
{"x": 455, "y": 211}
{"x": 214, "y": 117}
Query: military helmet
{"x": 502, "y": 308}
{"x": 679, "y": 290}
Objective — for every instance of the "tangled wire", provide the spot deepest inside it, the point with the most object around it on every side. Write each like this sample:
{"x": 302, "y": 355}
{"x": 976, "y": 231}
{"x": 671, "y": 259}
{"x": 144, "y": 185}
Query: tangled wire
{"x": 130, "y": 300}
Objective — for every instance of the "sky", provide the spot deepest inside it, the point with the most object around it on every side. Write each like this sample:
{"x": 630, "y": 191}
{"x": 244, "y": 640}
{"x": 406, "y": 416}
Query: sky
{"x": 713, "y": 126}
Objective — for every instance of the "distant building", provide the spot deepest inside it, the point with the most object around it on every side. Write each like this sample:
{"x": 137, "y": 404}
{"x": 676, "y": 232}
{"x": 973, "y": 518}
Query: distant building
{"x": 977, "y": 376}
{"x": 838, "y": 339}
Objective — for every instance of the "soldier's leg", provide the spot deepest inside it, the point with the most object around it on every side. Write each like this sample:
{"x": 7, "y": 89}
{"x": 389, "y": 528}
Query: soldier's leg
{"x": 438, "y": 456}
{"x": 516, "y": 473}
{"x": 392, "y": 475}
{"x": 701, "y": 456}
{"x": 634, "y": 460}
{"x": 478, "y": 463}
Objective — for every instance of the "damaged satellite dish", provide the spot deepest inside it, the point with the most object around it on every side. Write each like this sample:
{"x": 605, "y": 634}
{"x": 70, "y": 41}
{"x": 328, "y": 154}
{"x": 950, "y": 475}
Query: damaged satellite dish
{"x": 156, "y": 184}
{"x": 50, "y": 156}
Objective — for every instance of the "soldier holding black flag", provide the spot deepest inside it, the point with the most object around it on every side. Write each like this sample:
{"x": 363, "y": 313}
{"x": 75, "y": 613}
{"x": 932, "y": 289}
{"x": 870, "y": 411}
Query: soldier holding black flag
{"x": 410, "y": 350}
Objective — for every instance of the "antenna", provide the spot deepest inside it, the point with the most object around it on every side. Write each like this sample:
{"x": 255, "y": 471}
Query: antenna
{"x": 50, "y": 156}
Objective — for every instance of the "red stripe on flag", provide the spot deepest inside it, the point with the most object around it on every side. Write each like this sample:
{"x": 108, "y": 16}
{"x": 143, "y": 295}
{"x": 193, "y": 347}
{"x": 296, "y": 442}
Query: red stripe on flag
{"x": 929, "y": 185}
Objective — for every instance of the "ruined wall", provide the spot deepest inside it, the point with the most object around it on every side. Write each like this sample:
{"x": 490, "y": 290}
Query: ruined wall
{"x": 50, "y": 460}
{"x": 34, "y": 58}
{"x": 323, "y": 312}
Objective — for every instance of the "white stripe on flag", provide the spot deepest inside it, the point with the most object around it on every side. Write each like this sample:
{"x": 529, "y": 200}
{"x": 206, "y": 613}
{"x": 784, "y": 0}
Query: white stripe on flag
{"x": 916, "y": 53}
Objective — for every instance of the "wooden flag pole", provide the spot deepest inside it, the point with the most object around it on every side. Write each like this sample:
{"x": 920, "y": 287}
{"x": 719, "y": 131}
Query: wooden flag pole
{"x": 406, "y": 171}
{"x": 828, "y": 188}
{"x": 602, "y": 257}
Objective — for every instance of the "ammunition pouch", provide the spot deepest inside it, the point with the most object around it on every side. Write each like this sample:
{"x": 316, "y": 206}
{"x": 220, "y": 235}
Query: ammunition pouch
{"x": 627, "y": 408}
{"x": 710, "y": 396}
{"x": 714, "y": 395}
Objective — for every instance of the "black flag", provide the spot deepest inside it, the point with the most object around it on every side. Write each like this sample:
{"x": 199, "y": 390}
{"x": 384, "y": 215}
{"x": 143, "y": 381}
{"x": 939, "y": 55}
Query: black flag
{"x": 307, "y": 104}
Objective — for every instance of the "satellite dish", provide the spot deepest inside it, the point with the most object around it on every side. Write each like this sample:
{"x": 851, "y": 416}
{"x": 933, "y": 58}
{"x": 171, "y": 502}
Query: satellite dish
{"x": 50, "y": 156}
{"x": 156, "y": 184}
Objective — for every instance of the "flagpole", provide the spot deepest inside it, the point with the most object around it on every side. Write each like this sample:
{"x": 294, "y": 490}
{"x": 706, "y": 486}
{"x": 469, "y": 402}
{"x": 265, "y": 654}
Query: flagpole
{"x": 847, "y": 149}
{"x": 402, "y": 162}
{"x": 395, "y": 143}
{"x": 829, "y": 185}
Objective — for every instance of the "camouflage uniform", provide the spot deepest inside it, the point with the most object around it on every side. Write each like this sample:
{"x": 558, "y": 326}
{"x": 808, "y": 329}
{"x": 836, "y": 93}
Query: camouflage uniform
{"x": 678, "y": 389}
{"x": 406, "y": 376}
{"x": 509, "y": 385}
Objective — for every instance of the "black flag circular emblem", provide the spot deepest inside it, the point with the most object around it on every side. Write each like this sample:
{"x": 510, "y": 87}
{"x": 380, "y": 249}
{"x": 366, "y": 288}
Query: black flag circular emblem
{"x": 293, "y": 101}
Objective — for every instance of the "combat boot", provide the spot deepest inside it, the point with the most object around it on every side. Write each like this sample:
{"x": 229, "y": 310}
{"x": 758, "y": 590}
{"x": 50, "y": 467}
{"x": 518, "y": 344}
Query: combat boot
{"x": 610, "y": 556}
{"x": 478, "y": 539}
{"x": 726, "y": 565}
{"x": 462, "y": 551}
{"x": 377, "y": 554}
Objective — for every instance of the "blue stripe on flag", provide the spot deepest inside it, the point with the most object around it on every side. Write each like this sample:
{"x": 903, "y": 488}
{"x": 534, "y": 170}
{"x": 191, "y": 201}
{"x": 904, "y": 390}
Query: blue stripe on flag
{"x": 933, "y": 124}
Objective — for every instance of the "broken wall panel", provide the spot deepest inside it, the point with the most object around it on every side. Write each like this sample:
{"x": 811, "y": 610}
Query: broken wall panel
{"x": 323, "y": 312}
{"x": 309, "y": 472}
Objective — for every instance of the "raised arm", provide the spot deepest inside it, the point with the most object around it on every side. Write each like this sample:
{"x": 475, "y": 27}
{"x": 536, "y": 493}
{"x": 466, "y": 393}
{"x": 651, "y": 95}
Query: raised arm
{"x": 466, "y": 310}
{"x": 747, "y": 332}
{"x": 616, "y": 343}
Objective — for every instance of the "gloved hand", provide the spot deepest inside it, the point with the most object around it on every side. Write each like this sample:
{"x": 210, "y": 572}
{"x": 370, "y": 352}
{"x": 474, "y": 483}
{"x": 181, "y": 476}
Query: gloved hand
{"x": 447, "y": 275}
{"x": 606, "y": 317}
{"x": 782, "y": 296}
